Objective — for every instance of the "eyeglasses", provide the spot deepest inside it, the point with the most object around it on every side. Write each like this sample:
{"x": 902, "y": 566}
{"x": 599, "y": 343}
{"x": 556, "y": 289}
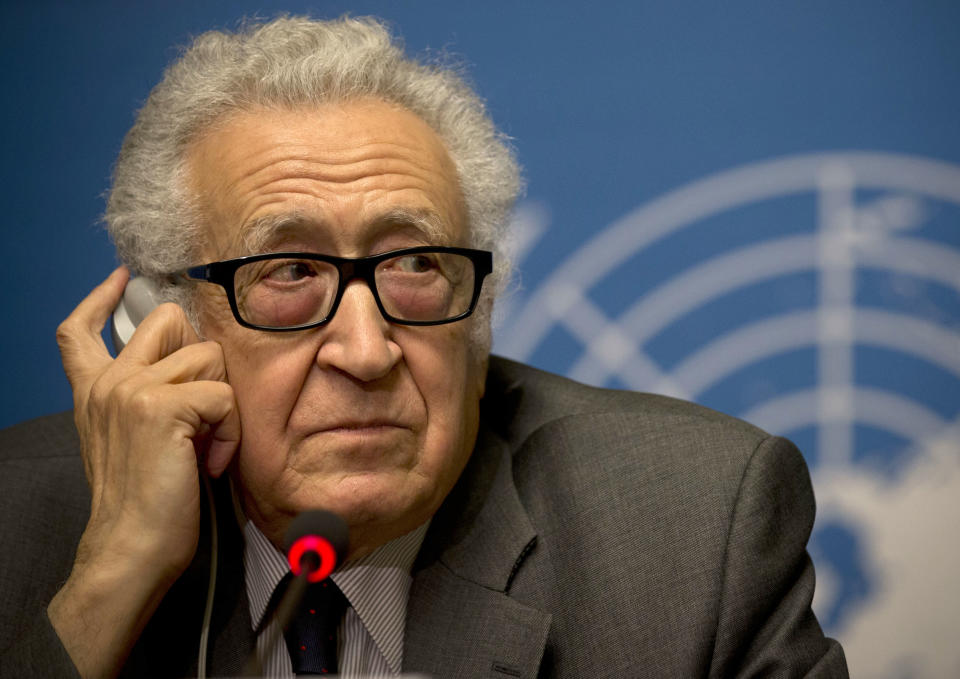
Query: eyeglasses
{"x": 299, "y": 290}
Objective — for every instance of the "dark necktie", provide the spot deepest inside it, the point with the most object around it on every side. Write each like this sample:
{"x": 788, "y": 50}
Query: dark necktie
{"x": 312, "y": 635}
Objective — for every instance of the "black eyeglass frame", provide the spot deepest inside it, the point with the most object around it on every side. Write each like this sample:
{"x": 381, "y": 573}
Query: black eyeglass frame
{"x": 349, "y": 268}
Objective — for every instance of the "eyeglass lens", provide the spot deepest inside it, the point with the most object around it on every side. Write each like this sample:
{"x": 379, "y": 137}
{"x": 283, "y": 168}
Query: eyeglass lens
{"x": 287, "y": 292}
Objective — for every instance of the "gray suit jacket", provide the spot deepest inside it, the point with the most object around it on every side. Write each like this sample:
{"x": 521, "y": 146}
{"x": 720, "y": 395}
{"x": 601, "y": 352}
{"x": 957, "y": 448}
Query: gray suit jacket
{"x": 594, "y": 533}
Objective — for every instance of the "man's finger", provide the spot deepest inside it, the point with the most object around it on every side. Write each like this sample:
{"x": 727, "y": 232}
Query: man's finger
{"x": 225, "y": 442}
{"x": 212, "y": 404}
{"x": 78, "y": 336}
{"x": 197, "y": 361}
{"x": 165, "y": 330}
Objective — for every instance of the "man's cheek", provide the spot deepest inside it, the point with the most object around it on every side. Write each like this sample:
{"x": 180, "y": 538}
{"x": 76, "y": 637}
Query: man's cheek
{"x": 264, "y": 383}
{"x": 264, "y": 443}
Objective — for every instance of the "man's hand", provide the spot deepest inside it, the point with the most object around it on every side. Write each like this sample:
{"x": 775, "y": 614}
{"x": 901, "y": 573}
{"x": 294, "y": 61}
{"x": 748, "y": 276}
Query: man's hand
{"x": 143, "y": 419}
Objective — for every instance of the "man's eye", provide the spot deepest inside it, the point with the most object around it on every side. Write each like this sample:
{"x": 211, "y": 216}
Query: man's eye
{"x": 416, "y": 264}
{"x": 290, "y": 272}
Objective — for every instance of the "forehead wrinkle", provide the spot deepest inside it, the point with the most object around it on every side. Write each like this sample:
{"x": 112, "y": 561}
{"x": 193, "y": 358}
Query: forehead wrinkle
{"x": 364, "y": 167}
{"x": 343, "y": 164}
{"x": 274, "y": 164}
{"x": 396, "y": 173}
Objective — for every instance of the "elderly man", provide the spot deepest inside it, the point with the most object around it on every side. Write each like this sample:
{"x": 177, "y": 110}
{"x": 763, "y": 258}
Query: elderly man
{"x": 322, "y": 210}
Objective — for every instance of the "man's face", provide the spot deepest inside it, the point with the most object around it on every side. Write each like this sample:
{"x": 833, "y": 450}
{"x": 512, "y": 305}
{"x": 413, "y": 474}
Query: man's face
{"x": 371, "y": 420}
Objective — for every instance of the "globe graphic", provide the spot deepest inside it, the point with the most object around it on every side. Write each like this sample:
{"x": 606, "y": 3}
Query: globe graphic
{"x": 817, "y": 296}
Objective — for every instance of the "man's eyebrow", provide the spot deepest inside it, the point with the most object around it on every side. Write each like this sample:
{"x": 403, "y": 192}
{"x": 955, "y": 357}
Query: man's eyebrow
{"x": 258, "y": 234}
{"x": 424, "y": 220}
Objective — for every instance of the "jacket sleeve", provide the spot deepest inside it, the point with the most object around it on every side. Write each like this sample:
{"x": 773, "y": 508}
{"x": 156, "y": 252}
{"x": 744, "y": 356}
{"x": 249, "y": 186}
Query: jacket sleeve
{"x": 766, "y": 626}
{"x": 44, "y": 505}
{"x": 37, "y": 652}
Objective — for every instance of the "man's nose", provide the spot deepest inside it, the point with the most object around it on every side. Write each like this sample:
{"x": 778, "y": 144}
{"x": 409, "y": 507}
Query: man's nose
{"x": 357, "y": 339}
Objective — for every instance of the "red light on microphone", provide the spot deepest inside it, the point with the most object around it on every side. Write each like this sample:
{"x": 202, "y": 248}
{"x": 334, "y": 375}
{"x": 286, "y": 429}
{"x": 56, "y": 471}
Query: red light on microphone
{"x": 312, "y": 544}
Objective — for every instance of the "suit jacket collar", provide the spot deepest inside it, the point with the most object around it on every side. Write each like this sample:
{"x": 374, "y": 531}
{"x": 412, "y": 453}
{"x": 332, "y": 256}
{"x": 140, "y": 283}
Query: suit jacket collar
{"x": 168, "y": 645}
{"x": 461, "y": 620}
{"x": 232, "y": 640}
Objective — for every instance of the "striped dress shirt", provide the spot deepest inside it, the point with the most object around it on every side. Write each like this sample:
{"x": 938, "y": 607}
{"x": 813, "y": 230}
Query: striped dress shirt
{"x": 370, "y": 639}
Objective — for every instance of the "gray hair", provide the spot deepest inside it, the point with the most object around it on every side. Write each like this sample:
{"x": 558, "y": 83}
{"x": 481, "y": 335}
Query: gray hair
{"x": 290, "y": 63}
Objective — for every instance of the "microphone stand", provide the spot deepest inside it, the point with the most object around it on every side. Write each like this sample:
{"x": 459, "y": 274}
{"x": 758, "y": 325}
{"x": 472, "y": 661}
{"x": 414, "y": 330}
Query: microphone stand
{"x": 316, "y": 542}
{"x": 285, "y": 611}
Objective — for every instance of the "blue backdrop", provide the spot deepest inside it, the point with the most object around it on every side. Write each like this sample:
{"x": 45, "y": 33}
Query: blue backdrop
{"x": 754, "y": 205}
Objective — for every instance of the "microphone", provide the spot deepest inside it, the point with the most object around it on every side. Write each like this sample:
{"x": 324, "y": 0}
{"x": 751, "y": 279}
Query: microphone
{"x": 316, "y": 542}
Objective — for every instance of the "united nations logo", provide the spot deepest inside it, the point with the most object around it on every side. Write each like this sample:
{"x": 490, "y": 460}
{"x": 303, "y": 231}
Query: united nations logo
{"x": 817, "y": 296}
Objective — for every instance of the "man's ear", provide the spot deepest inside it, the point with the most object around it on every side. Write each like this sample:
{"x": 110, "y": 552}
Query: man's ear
{"x": 480, "y": 336}
{"x": 479, "y": 363}
{"x": 484, "y": 364}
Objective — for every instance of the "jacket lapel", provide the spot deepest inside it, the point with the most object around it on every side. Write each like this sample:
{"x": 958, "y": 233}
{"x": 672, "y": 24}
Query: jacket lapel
{"x": 461, "y": 621}
{"x": 169, "y": 644}
{"x": 232, "y": 640}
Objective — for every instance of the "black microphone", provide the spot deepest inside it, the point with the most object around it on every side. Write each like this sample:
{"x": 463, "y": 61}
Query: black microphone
{"x": 316, "y": 542}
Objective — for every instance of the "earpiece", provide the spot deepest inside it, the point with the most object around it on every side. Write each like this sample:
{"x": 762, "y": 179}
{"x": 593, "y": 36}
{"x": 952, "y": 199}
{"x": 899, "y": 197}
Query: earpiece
{"x": 140, "y": 297}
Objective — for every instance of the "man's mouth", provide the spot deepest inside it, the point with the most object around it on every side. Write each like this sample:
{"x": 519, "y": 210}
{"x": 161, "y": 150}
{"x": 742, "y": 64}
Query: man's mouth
{"x": 362, "y": 427}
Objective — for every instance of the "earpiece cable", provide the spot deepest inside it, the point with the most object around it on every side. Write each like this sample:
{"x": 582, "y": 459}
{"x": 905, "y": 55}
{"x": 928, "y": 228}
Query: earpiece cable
{"x": 212, "y": 586}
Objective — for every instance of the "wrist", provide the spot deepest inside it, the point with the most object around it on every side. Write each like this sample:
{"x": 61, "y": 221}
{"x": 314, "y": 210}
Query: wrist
{"x": 117, "y": 582}
{"x": 128, "y": 550}
{"x": 101, "y": 610}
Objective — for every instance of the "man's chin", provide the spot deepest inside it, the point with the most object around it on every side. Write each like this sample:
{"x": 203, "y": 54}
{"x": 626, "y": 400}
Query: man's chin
{"x": 377, "y": 505}
{"x": 360, "y": 451}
